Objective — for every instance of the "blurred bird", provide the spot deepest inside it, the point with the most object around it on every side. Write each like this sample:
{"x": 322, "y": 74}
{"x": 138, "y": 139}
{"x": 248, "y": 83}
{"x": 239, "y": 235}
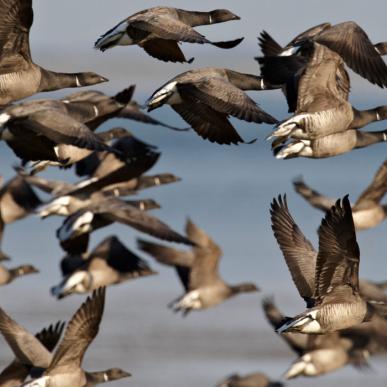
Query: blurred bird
{"x": 257, "y": 379}
{"x": 197, "y": 270}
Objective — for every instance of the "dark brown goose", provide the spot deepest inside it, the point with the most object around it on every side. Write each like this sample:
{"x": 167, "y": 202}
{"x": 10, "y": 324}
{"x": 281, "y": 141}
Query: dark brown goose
{"x": 109, "y": 263}
{"x": 107, "y": 170}
{"x": 319, "y": 354}
{"x": 328, "y": 281}
{"x": 158, "y": 30}
{"x": 347, "y": 39}
{"x": 257, "y": 379}
{"x": 367, "y": 212}
{"x": 17, "y": 200}
{"x": 35, "y": 129}
{"x": 65, "y": 367}
{"x": 16, "y": 373}
{"x": 205, "y": 98}
{"x": 20, "y": 77}
{"x": 9, "y": 275}
{"x": 197, "y": 270}
{"x": 329, "y": 146}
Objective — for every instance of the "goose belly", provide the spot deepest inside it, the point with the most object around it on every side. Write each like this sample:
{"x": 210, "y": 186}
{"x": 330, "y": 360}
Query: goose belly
{"x": 334, "y": 144}
{"x": 369, "y": 218}
{"x": 14, "y": 86}
{"x": 337, "y": 316}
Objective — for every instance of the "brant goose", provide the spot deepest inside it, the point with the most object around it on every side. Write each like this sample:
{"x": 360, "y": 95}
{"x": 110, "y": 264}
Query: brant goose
{"x": 9, "y": 275}
{"x": 20, "y": 77}
{"x": 205, "y": 98}
{"x": 197, "y": 270}
{"x": 65, "y": 367}
{"x": 328, "y": 280}
{"x": 257, "y": 379}
{"x": 367, "y": 212}
{"x": 109, "y": 263}
{"x": 35, "y": 129}
{"x": 319, "y": 354}
{"x": 158, "y": 31}
{"x": 347, "y": 39}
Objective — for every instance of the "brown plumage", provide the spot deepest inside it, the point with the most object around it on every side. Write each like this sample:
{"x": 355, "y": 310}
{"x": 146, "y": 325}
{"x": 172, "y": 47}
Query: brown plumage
{"x": 158, "y": 30}
{"x": 330, "y": 287}
{"x": 20, "y": 77}
{"x": 109, "y": 263}
{"x": 206, "y": 97}
{"x": 197, "y": 270}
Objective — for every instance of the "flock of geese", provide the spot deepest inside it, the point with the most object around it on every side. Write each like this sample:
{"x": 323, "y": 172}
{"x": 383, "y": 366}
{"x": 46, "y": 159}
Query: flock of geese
{"x": 345, "y": 320}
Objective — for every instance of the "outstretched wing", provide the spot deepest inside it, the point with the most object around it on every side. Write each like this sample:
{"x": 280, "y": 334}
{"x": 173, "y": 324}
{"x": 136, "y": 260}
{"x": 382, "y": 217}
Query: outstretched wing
{"x": 298, "y": 252}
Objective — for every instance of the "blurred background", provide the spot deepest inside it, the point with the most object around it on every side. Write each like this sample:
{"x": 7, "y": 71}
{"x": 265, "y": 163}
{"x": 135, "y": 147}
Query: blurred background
{"x": 226, "y": 190}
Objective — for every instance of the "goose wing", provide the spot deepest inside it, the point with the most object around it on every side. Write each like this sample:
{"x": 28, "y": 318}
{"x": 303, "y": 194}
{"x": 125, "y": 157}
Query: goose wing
{"x": 26, "y": 347}
{"x": 376, "y": 190}
{"x": 207, "y": 122}
{"x": 133, "y": 112}
{"x": 338, "y": 256}
{"x": 313, "y": 197}
{"x": 225, "y": 98}
{"x": 299, "y": 254}
{"x": 351, "y": 42}
{"x": 165, "y": 254}
{"x": 80, "y": 332}
{"x": 61, "y": 129}
{"x": 16, "y": 19}
{"x": 164, "y": 27}
{"x": 268, "y": 45}
{"x": 205, "y": 267}
{"x": 116, "y": 210}
{"x": 120, "y": 258}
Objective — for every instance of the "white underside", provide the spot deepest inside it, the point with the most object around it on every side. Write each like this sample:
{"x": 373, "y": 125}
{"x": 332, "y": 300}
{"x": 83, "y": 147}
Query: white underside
{"x": 82, "y": 223}
{"x": 118, "y": 36}
{"x": 165, "y": 93}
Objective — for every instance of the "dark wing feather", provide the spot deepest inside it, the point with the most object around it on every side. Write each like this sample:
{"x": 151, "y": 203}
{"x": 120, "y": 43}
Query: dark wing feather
{"x": 352, "y": 43}
{"x": 50, "y": 336}
{"x": 120, "y": 258}
{"x": 208, "y": 123}
{"x": 225, "y": 98}
{"x": 298, "y": 252}
{"x": 269, "y": 46}
{"x": 165, "y": 50}
{"x": 377, "y": 189}
{"x": 80, "y": 332}
{"x": 338, "y": 256}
